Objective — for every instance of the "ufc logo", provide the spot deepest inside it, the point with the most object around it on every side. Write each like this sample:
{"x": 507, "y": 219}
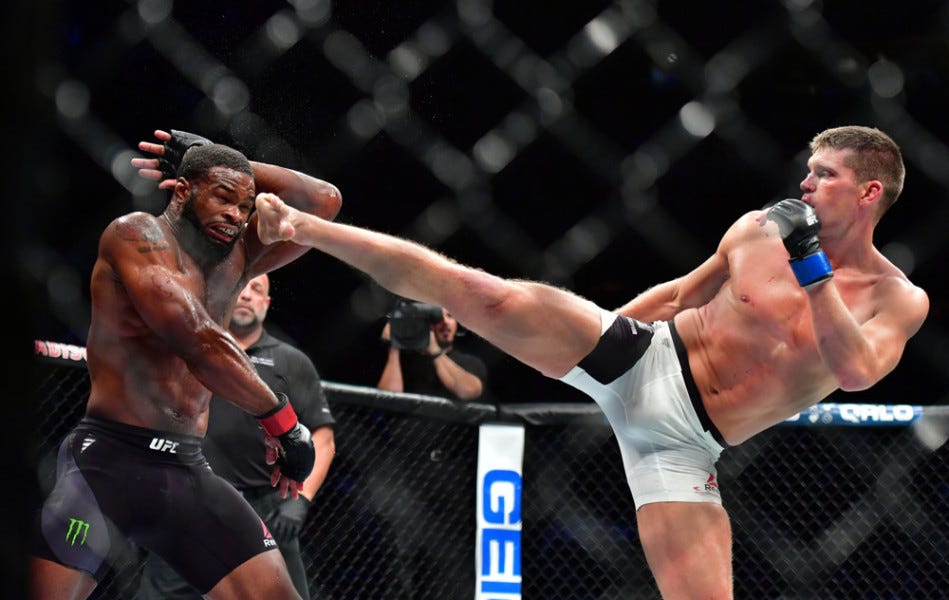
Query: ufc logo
{"x": 163, "y": 445}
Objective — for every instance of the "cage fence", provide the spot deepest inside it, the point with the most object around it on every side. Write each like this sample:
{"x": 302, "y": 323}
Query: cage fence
{"x": 846, "y": 501}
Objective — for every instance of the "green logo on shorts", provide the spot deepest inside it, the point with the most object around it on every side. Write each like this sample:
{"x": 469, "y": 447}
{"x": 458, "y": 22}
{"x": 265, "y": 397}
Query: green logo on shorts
{"x": 77, "y": 528}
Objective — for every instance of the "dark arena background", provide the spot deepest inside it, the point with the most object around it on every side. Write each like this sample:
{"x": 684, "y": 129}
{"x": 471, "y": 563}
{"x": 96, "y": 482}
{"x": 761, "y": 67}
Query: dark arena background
{"x": 601, "y": 146}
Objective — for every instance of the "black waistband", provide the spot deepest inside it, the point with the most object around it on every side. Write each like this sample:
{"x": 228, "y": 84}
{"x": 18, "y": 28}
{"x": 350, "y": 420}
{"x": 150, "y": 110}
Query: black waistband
{"x": 185, "y": 447}
{"x": 693, "y": 389}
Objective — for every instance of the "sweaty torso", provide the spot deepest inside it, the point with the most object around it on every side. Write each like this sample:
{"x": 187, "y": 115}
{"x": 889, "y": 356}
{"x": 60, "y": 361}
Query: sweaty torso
{"x": 137, "y": 377}
{"x": 752, "y": 349}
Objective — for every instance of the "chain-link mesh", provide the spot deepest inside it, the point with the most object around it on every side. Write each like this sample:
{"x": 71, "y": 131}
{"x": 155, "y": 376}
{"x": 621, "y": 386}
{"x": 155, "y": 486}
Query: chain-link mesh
{"x": 600, "y": 145}
{"x": 395, "y": 513}
{"x": 817, "y": 512}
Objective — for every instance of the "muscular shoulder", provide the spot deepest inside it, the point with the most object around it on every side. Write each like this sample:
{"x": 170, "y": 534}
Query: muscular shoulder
{"x": 747, "y": 228}
{"x": 137, "y": 228}
{"x": 134, "y": 242}
{"x": 896, "y": 291}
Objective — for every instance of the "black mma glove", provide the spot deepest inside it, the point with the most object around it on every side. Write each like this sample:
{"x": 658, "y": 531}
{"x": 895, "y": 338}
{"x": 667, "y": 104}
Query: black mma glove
{"x": 175, "y": 149}
{"x": 296, "y": 454}
{"x": 799, "y": 226}
{"x": 287, "y": 519}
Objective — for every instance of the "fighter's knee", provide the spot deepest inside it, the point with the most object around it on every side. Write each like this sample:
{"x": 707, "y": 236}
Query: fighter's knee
{"x": 487, "y": 295}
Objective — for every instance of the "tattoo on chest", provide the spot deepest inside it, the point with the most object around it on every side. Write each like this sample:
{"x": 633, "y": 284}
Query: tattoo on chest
{"x": 149, "y": 237}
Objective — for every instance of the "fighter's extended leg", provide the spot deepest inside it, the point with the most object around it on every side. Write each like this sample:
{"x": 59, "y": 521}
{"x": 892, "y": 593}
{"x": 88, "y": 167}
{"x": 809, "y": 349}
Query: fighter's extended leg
{"x": 545, "y": 327}
{"x": 688, "y": 548}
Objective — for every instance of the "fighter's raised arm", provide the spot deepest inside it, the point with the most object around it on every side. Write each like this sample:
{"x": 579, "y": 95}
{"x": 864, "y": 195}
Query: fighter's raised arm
{"x": 859, "y": 349}
{"x": 300, "y": 190}
{"x": 163, "y": 289}
{"x": 138, "y": 250}
{"x": 667, "y": 299}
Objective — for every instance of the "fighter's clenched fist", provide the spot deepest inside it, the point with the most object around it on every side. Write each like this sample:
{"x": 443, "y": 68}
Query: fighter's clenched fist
{"x": 799, "y": 226}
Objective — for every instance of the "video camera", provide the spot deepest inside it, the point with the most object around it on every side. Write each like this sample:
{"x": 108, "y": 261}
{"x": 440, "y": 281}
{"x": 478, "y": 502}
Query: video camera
{"x": 410, "y": 324}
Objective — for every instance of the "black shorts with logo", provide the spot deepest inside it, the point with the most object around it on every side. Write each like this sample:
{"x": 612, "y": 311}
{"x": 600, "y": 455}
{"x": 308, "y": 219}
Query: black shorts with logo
{"x": 116, "y": 482}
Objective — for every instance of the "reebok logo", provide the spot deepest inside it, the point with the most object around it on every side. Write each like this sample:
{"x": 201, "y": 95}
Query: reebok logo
{"x": 76, "y": 529}
{"x": 163, "y": 445}
{"x": 268, "y": 540}
{"x": 709, "y": 487}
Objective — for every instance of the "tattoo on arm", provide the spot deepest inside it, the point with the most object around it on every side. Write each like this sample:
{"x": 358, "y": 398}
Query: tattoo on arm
{"x": 148, "y": 237}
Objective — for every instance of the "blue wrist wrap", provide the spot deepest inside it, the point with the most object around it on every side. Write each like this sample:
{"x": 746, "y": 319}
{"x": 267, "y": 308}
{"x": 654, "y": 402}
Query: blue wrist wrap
{"x": 811, "y": 269}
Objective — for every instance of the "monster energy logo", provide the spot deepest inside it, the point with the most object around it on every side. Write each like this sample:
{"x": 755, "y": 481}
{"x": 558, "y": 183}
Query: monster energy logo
{"x": 77, "y": 528}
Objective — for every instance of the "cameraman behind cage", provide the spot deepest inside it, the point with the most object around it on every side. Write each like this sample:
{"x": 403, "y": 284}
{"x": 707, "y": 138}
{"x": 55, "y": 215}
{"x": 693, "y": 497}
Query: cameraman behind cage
{"x": 422, "y": 358}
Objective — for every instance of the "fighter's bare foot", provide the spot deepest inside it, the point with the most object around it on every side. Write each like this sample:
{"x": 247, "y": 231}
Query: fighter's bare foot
{"x": 273, "y": 219}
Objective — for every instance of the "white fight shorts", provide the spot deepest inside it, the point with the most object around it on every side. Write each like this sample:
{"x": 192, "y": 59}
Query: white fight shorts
{"x": 668, "y": 444}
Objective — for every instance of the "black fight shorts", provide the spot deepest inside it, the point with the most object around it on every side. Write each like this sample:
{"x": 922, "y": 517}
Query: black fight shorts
{"x": 116, "y": 482}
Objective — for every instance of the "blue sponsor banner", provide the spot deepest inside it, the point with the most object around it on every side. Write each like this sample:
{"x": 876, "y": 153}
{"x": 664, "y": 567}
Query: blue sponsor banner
{"x": 498, "y": 540}
{"x": 861, "y": 415}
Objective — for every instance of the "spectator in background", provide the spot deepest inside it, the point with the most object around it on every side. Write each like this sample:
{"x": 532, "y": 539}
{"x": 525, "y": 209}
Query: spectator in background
{"x": 234, "y": 447}
{"x": 436, "y": 368}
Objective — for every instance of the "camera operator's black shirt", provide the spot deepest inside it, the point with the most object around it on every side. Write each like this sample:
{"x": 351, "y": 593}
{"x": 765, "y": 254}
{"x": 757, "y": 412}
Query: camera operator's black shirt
{"x": 234, "y": 443}
{"x": 419, "y": 377}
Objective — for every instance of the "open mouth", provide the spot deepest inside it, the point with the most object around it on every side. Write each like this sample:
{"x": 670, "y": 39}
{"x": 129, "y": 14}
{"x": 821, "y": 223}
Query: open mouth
{"x": 222, "y": 232}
